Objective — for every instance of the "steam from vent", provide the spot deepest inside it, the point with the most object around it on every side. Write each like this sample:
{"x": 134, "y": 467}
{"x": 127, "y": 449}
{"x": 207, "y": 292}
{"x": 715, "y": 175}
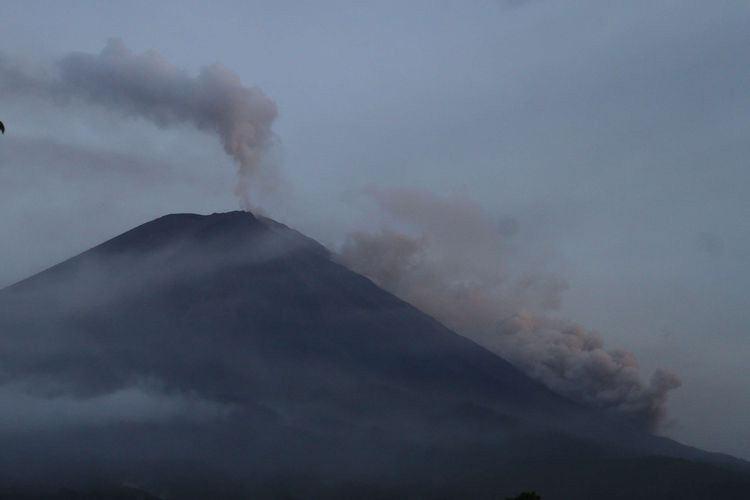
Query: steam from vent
{"x": 450, "y": 259}
{"x": 147, "y": 86}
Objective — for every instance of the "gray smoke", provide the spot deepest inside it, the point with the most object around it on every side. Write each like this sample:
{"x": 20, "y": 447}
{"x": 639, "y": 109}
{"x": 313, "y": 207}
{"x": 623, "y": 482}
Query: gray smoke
{"x": 147, "y": 86}
{"x": 450, "y": 259}
{"x": 445, "y": 255}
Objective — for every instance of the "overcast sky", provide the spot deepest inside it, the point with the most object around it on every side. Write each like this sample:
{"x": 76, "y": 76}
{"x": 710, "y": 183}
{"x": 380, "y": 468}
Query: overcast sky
{"x": 614, "y": 136}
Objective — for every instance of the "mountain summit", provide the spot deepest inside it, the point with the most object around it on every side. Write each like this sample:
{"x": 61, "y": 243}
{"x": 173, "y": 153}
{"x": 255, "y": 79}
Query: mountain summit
{"x": 230, "y": 356}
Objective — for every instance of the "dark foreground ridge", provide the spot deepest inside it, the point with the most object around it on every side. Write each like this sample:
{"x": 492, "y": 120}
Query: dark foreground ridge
{"x": 228, "y": 356}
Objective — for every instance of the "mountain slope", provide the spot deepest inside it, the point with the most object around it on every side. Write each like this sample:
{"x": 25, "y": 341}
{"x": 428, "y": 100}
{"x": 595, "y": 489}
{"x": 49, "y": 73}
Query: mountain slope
{"x": 258, "y": 364}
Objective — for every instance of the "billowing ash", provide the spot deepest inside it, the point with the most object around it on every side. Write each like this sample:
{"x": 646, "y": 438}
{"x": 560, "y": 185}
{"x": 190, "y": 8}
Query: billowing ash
{"x": 450, "y": 260}
{"x": 149, "y": 87}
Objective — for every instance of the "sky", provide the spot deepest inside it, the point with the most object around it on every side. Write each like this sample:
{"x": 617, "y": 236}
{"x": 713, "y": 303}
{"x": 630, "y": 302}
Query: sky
{"x": 610, "y": 137}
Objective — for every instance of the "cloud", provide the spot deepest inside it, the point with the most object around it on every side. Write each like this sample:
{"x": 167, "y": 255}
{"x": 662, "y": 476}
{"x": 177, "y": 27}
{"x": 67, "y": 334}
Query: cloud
{"x": 449, "y": 258}
{"x": 25, "y": 411}
{"x": 147, "y": 86}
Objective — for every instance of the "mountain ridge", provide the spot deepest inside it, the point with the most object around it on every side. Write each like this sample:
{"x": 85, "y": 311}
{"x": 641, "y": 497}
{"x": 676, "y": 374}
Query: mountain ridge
{"x": 247, "y": 314}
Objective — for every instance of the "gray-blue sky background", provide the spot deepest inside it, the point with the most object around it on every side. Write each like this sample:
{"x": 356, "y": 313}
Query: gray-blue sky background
{"x": 615, "y": 134}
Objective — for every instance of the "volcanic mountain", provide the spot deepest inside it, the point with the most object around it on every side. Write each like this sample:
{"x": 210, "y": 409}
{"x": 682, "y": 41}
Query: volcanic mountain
{"x": 228, "y": 356}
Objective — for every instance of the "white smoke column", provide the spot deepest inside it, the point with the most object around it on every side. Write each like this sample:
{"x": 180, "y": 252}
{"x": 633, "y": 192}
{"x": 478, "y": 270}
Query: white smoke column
{"x": 449, "y": 259}
{"x": 147, "y": 86}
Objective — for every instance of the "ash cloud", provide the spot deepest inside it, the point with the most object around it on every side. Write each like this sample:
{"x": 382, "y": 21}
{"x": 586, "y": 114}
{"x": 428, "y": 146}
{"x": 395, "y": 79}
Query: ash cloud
{"x": 449, "y": 258}
{"x": 147, "y": 86}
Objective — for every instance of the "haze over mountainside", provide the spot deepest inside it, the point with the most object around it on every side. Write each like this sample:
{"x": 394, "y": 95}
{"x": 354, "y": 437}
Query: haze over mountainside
{"x": 228, "y": 356}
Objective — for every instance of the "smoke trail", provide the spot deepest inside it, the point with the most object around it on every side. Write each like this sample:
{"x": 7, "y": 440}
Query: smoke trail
{"x": 449, "y": 259}
{"x": 147, "y": 86}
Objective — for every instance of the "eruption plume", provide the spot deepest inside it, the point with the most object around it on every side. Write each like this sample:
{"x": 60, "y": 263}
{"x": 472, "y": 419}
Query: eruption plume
{"x": 450, "y": 260}
{"x": 147, "y": 86}
{"x": 446, "y": 255}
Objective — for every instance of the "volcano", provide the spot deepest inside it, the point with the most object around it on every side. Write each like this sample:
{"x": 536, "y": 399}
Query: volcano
{"x": 229, "y": 356}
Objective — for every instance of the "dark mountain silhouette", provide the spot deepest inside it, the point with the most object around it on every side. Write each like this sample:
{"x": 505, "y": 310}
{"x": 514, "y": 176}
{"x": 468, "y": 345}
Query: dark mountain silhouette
{"x": 228, "y": 356}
